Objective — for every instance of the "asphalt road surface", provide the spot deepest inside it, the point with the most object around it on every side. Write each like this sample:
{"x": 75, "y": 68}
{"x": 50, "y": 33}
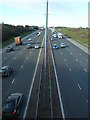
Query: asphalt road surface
{"x": 72, "y": 71}
{"x": 23, "y": 62}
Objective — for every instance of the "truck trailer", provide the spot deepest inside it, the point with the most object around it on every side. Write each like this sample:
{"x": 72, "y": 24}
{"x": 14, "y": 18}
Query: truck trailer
{"x": 17, "y": 40}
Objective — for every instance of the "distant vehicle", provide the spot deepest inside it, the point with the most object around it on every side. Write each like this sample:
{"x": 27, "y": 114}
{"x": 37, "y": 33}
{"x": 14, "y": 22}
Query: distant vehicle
{"x": 17, "y": 40}
{"x": 9, "y": 48}
{"x": 62, "y": 45}
{"x": 59, "y": 35}
{"x": 5, "y": 71}
{"x": 37, "y": 46}
{"x": 55, "y": 46}
{"x": 12, "y": 106}
{"x": 28, "y": 46}
{"x": 39, "y": 33}
{"x": 51, "y": 39}
{"x": 29, "y": 39}
{"x": 54, "y": 35}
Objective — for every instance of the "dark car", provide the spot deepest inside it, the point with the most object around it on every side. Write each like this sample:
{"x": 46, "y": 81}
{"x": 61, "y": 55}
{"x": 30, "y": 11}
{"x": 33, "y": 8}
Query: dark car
{"x": 5, "y": 71}
{"x": 28, "y": 46}
{"x": 9, "y": 48}
{"x": 12, "y": 106}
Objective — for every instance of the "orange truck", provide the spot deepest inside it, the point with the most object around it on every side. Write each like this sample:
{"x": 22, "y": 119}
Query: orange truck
{"x": 17, "y": 40}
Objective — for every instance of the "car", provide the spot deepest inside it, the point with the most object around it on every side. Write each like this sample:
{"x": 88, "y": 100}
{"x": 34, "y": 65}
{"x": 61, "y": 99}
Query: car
{"x": 62, "y": 45}
{"x": 37, "y": 46}
{"x": 39, "y": 33}
{"x": 55, "y": 46}
{"x": 9, "y": 48}
{"x": 12, "y": 106}
{"x": 29, "y": 39}
{"x": 28, "y": 46}
{"x": 54, "y": 35}
{"x": 5, "y": 71}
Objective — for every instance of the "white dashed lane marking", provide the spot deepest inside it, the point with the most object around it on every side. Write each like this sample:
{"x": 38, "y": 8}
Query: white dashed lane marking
{"x": 22, "y": 66}
{"x": 13, "y": 81}
{"x": 26, "y": 58}
{"x": 85, "y": 70}
{"x": 70, "y": 69}
{"x": 76, "y": 60}
{"x": 79, "y": 86}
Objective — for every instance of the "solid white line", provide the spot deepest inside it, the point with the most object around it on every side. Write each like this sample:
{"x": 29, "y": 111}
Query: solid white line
{"x": 61, "y": 53}
{"x": 79, "y": 87}
{"x": 26, "y": 108}
{"x": 13, "y": 81}
{"x": 59, "y": 92}
{"x": 85, "y": 70}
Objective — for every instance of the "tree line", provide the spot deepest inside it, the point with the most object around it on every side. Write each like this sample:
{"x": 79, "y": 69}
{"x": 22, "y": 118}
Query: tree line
{"x": 9, "y": 31}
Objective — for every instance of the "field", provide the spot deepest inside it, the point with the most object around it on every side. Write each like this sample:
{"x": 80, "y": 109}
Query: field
{"x": 80, "y": 35}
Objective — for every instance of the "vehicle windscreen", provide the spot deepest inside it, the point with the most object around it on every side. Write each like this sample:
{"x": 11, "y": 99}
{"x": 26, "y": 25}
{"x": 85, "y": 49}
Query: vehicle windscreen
{"x": 9, "y": 105}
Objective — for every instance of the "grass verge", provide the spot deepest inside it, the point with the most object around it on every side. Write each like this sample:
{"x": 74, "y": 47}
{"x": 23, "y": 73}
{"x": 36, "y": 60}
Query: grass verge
{"x": 80, "y": 35}
{"x": 11, "y": 40}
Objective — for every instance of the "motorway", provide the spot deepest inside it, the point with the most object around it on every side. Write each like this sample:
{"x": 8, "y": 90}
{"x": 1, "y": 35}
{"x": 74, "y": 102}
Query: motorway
{"x": 72, "y": 71}
{"x": 23, "y": 62}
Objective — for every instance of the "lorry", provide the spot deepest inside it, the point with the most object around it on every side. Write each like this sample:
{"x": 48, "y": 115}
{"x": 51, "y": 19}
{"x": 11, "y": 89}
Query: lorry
{"x": 17, "y": 40}
{"x": 59, "y": 35}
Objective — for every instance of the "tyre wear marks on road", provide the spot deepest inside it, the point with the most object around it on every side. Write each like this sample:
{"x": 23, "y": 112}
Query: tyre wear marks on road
{"x": 79, "y": 86}
{"x": 13, "y": 81}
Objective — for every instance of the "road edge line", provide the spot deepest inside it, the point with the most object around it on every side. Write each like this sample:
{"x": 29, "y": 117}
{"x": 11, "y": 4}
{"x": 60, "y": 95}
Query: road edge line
{"x": 59, "y": 93}
{"x": 29, "y": 95}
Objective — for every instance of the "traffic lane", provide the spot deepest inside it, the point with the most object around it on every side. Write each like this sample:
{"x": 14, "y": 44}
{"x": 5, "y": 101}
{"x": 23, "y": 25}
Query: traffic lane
{"x": 77, "y": 52}
{"x": 23, "y": 80}
{"x": 75, "y": 104}
{"x": 17, "y": 63}
{"x": 79, "y": 72}
{"x": 7, "y": 55}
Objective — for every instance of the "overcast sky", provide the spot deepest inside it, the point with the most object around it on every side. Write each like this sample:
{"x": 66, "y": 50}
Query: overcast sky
{"x": 69, "y": 13}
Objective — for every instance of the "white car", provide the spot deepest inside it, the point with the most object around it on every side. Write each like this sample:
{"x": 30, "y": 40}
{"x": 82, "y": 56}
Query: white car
{"x": 62, "y": 45}
{"x": 39, "y": 33}
{"x": 37, "y": 46}
{"x": 29, "y": 39}
{"x": 54, "y": 35}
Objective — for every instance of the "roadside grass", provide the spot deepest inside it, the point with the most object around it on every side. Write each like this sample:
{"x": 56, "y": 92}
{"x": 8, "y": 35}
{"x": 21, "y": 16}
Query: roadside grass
{"x": 11, "y": 40}
{"x": 80, "y": 35}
